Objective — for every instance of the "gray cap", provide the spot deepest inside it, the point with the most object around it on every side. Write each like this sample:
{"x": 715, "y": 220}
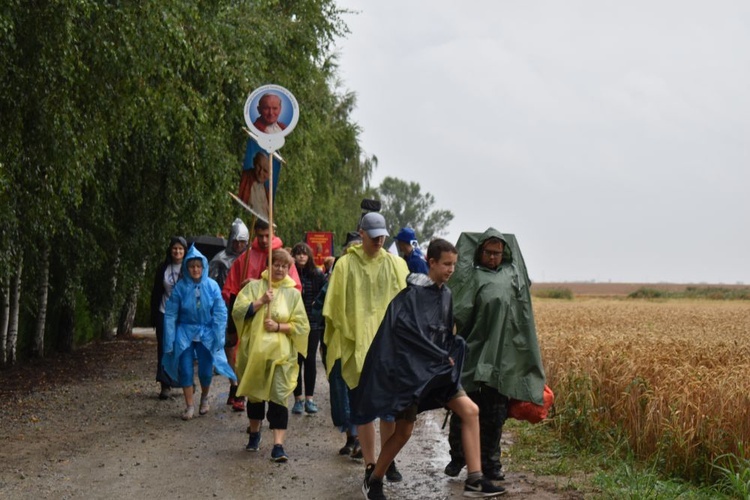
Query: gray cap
{"x": 374, "y": 225}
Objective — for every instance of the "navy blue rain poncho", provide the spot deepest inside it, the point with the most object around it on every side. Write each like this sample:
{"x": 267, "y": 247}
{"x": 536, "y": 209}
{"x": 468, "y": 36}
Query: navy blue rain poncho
{"x": 408, "y": 360}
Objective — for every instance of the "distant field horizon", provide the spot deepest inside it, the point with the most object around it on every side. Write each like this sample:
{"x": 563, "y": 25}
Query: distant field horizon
{"x": 596, "y": 288}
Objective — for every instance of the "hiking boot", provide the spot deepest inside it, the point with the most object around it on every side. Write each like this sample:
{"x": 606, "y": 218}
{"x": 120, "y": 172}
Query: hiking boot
{"x": 310, "y": 406}
{"x": 253, "y": 444}
{"x": 482, "y": 488}
{"x": 165, "y": 392}
{"x": 356, "y": 453}
{"x": 453, "y": 468}
{"x": 298, "y": 407}
{"x": 278, "y": 455}
{"x": 494, "y": 474}
{"x": 348, "y": 447}
{"x": 373, "y": 490}
{"x": 188, "y": 413}
{"x": 238, "y": 404}
{"x": 392, "y": 474}
{"x": 204, "y": 407}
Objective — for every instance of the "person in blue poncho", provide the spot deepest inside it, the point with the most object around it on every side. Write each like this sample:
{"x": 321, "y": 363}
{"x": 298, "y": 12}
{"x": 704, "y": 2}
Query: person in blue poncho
{"x": 406, "y": 243}
{"x": 194, "y": 327}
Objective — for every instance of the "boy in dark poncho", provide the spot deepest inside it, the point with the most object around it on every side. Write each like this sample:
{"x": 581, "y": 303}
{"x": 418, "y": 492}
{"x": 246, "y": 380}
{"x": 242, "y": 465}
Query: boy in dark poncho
{"x": 413, "y": 365}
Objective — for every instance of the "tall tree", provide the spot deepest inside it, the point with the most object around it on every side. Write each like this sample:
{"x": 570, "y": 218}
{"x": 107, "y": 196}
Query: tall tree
{"x": 405, "y": 205}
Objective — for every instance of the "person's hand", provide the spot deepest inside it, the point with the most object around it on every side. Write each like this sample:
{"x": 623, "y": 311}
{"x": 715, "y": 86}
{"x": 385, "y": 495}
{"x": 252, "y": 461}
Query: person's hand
{"x": 450, "y": 360}
{"x": 271, "y": 325}
{"x": 267, "y": 297}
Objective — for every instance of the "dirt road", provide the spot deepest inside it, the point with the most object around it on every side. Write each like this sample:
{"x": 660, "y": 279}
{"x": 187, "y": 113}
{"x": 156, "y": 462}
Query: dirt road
{"x": 90, "y": 425}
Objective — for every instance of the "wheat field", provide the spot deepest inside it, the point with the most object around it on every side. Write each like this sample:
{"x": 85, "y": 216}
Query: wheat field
{"x": 672, "y": 378}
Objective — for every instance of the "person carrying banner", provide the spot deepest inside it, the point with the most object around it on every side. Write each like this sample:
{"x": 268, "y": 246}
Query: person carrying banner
{"x": 249, "y": 266}
{"x": 269, "y": 345}
{"x": 492, "y": 309}
{"x": 414, "y": 365}
{"x": 362, "y": 283}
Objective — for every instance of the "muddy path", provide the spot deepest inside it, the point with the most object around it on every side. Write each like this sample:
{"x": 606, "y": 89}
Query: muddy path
{"x": 90, "y": 425}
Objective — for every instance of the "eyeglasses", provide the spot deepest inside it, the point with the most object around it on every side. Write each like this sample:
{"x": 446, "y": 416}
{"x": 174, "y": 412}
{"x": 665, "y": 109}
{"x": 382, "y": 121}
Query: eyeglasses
{"x": 280, "y": 266}
{"x": 491, "y": 254}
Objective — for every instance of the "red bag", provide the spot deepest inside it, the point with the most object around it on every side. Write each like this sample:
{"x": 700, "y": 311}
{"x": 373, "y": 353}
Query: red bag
{"x": 526, "y": 410}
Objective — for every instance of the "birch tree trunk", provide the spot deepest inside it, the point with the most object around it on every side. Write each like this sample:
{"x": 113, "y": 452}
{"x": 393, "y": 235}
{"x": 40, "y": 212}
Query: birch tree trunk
{"x": 15, "y": 301}
{"x": 37, "y": 344}
{"x": 127, "y": 313}
{"x": 4, "y": 320}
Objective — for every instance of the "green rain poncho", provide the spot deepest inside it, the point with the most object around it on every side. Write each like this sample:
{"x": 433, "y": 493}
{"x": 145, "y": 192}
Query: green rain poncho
{"x": 267, "y": 361}
{"x": 359, "y": 291}
{"x": 492, "y": 310}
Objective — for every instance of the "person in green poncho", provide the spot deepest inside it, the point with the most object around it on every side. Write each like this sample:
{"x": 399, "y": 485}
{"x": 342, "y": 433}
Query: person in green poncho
{"x": 492, "y": 310}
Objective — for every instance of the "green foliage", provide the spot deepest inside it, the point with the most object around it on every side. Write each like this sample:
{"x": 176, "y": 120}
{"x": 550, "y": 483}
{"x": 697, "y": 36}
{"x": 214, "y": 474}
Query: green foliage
{"x": 122, "y": 125}
{"x": 553, "y": 293}
{"x": 405, "y": 205}
{"x": 734, "y": 473}
{"x": 648, "y": 293}
{"x": 693, "y": 292}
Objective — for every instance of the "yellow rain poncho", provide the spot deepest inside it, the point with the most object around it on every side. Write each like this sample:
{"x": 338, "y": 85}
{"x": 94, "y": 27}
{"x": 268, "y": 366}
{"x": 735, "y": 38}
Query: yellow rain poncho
{"x": 359, "y": 291}
{"x": 267, "y": 361}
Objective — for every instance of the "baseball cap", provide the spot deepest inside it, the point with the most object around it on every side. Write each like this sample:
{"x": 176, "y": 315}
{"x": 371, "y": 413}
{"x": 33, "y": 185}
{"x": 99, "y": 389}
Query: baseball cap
{"x": 406, "y": 235}
{"x": 374, "y": 225}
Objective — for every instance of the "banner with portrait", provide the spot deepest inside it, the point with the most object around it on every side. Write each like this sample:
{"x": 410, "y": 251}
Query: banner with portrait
{"x": 254, "y": 181}
{"x": 321, "y": 243}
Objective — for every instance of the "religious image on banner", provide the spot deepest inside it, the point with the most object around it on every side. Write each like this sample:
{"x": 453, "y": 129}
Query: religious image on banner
{"x": 254, "y": 182}
{"x": 321, "y": 243}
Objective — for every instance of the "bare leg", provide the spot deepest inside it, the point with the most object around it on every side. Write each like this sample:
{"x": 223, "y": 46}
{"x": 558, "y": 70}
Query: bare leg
{"x": 400, "y": 435}
{"x": 255, "y": 425}
{"x": 468, "y": 412}
{"x": 366, "y": 434}
{"x": 278, "y": 435}
{"x": 188, "y": 393}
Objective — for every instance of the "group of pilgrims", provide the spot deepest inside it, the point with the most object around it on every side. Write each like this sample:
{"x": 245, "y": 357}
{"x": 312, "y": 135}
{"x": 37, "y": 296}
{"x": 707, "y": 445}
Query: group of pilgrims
{"x": 395, "y": 340}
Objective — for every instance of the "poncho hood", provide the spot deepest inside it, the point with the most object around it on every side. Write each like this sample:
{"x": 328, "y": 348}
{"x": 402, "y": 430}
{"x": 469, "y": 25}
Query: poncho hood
{"x": 192, "y": 254}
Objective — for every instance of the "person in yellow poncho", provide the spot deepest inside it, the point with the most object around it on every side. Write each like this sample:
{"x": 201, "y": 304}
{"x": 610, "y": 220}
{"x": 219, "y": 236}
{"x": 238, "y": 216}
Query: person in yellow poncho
{"x": 361, "y": 286}
{"x": 267, "y": 356}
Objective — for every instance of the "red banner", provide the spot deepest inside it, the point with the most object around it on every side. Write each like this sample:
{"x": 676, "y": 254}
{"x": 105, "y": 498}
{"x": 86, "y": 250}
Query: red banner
{"x": 321, "y": 243}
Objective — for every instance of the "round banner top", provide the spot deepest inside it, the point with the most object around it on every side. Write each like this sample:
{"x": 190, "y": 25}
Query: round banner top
{"x": 271, "y": 112}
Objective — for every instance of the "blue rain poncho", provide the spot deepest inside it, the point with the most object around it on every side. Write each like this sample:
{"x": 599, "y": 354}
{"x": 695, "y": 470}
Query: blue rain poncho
{"x": 195, "y": 311}
{"x": 267, "y": 361}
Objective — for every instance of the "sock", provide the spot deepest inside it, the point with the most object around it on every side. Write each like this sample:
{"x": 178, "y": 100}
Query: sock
{"x": 473, "y": 477}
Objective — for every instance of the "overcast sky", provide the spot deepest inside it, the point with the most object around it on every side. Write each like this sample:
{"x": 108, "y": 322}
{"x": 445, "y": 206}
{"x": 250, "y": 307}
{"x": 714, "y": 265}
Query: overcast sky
{"x": 612, "y": 138}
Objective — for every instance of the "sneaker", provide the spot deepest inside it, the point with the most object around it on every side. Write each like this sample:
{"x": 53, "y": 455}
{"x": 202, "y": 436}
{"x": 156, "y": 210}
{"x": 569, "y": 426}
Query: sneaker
{"x": 494, "y": 474}
{"x": 204, "y": 407}
{"x": 373, "y": 490}
{"x": 253, "y": 444}
{"x": 392, "y": 474}
{"x": 238, "y": 404}
{"x": 188, "y": 413}
{"x": 356, "y": 453}
{"x": 232, "y": 394}
{"x": 277, "y": 454}
{"x": 453, "y": 468}
{"x": 368, "y": 472}
{"x": 310, "y": 406}
{"x": 298, "y": 406}
{"x": 165, "y": 392}
{"x": 348, "y": 447}
{"x": 482, "y": 488}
